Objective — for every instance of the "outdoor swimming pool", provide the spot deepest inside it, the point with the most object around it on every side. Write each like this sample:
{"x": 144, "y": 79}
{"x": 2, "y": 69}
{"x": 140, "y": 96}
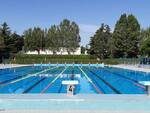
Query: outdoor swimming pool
{"x": 92, "y": 80}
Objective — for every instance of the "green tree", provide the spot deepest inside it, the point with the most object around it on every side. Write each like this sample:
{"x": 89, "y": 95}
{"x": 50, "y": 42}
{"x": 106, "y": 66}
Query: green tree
{"x": 74, "y": 38}
{"x": 53, "y": 39}
{"x": 9, "y": 43}
{"x": 2, "y": 47}
{"x": 145, "y": 42}
{"x": 69, "y": 33}
{"x": 133, "y": 36}
{"x": 34, "y": 39}
{"x": 15, "y": 43}
{"x": 64, "y": 32}
{"x": 1, "y": 38}
{"x": 5, "y": 35}
{"x": 28, "y": 40}
{"x": 83, "y": 49}
{"x": 119, "y": 37}
{"x": 2, "y": 44}
{"x": 100, "y": 42}
{"x": 126, "y": 37}
{"x": 5, "y": 32}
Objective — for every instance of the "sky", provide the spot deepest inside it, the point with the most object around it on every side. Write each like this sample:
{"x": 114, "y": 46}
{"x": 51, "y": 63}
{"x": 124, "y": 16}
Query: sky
{"x": 88, "y": 14}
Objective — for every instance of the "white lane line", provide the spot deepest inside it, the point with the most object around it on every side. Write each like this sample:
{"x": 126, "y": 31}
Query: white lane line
{"x": 95, "y": 87}
{"x": 29, "y": 75}
{"x": 45, "y": 89}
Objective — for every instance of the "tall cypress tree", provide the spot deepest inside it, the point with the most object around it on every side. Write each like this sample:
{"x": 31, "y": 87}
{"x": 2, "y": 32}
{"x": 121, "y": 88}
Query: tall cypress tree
{"x": 5, "y": 32}
{"x": 2, "y": 47}
{"x": 5, "y": 35}
{"x": 100, "y": 42}
{"x": 133, "y": 35}
{"x": 120, "y": 36}
{"x": 126, "y": 37}
{"x": 9, "y": 43}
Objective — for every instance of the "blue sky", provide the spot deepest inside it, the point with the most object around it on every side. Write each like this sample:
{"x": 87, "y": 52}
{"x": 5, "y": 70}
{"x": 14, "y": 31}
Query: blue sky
{"x": 88, "y": 14}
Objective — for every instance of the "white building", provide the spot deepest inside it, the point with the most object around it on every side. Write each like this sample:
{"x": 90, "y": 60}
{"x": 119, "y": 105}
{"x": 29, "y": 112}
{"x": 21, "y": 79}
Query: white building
{"x": 62, "y": 51}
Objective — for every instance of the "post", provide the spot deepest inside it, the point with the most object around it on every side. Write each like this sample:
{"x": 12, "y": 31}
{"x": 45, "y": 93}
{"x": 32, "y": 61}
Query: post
{"x": 148, "y": 90}
{"x": 41, "y": 65}
{"x": 97, "y": 64}
{"x": 57, "y": 64}
{"x": 147, "y": 84}
{"x": 89, "y": 64}
{"x": 73, "y": 64}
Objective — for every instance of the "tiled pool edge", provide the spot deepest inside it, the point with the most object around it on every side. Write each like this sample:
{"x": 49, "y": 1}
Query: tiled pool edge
{"x": 70, "y": 111}
{"x": 65, "y": 96}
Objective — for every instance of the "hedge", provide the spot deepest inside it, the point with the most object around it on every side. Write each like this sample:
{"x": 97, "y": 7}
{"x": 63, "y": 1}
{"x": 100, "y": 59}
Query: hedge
{"x": 33, "y": 59}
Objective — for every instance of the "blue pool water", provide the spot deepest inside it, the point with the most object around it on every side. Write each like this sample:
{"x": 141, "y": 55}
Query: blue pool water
{"x": 92, "y": 80}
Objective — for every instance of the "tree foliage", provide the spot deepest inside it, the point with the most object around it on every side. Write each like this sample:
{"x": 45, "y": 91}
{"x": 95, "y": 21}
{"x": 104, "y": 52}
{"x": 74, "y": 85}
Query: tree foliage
{"x": 15, "y": 43}
{"x": 34, "y": 39}
{"x": 2, "y": 47}
{"x": 70, "y": 37}
{"x": 53, "y": 39}
{"x": 66, "y": 35}
{"x": 83, "y": 50}
{"x": 145, "y": 42}
{"x": 100, "y": 42}
{"x": 10, "y": 43}
{"x": 126, "y": 37}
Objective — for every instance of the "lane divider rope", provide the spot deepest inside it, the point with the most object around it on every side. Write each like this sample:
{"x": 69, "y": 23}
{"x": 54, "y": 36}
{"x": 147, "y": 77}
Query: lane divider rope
{"x": 29, "y": 75}
{"x": 104, "y": 81}
{"x": 46, "y": 88}
{"x": 32, "y": 86}
{"x": 96, "y": 88}
{"x": 135, "y": 82}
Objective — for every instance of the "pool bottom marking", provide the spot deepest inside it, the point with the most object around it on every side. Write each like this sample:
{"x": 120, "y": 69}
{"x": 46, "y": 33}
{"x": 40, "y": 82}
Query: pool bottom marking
{"x": 35, "y": 84}
{"x": 108, "y": 84}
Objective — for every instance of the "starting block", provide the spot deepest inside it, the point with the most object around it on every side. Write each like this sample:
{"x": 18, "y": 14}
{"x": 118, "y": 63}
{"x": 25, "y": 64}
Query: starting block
{"x": 70, "y": 85}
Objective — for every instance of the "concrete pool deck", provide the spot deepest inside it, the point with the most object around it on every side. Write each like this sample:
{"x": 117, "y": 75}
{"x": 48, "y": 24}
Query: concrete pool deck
{"x": 4, "y": 66}
{"x": 131, "y": 67}
{"x": 70, "y": 111}
{"x": 81, "y": 103}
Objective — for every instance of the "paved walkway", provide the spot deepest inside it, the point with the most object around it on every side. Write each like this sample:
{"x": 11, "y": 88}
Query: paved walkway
{"x": 82, "y": 103}
{"x": 70, "y": 111}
